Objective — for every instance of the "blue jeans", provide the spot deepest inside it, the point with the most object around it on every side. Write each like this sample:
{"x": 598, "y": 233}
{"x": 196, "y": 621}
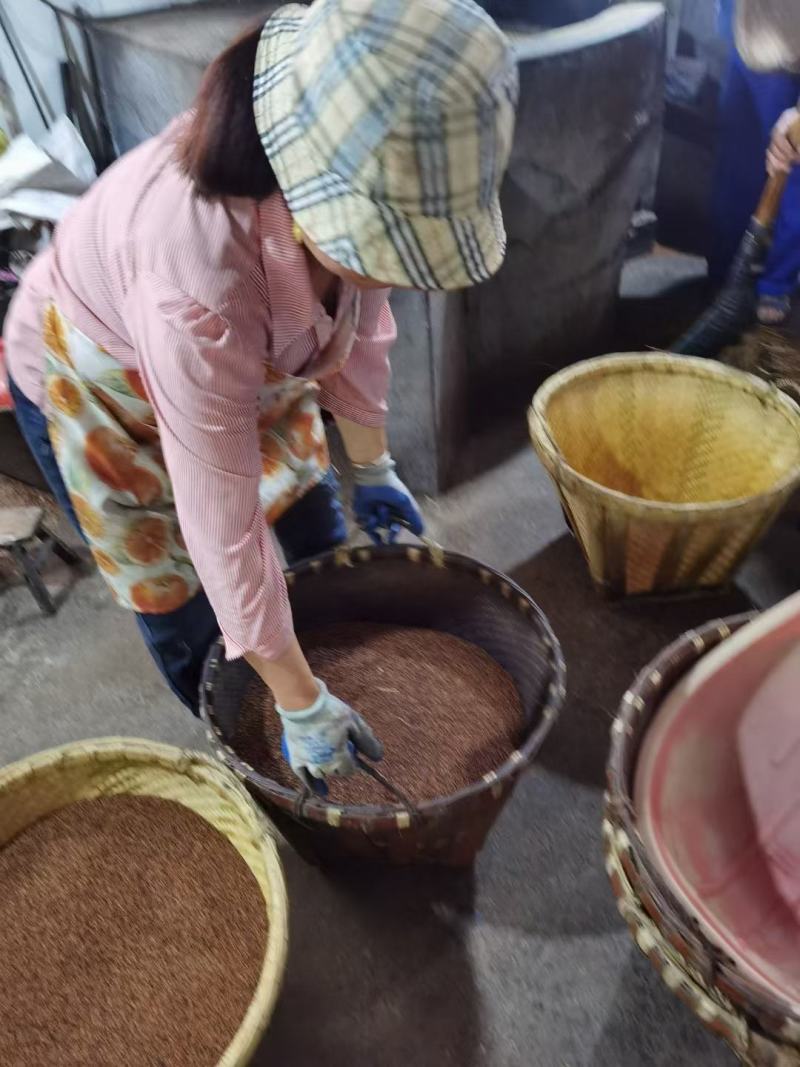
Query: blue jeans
{"x": 179, "y": 640}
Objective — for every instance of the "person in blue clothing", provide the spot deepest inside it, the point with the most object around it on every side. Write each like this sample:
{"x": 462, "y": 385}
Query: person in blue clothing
{"x": 752, "y": 104}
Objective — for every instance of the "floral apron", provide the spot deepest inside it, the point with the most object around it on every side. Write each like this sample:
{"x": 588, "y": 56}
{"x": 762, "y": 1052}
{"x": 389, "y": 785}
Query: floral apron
{"x": 105, "y": 439}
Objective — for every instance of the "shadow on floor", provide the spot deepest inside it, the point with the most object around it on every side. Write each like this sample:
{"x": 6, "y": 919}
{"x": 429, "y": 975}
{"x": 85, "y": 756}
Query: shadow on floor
{"x": 772, "y": 571}
{"x": 606, "y": 644}
{"x": 644, "y": 1027}
{"x": 658, "y": 321}
{"x": 485, "y": 450}
{"x": 661, "y": 295}
{"x": 378, "y": 973}
{"x": 542, "y": 871}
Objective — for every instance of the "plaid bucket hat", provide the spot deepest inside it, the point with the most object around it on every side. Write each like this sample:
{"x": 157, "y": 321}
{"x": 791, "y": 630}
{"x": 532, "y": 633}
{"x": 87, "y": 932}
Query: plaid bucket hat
{"x": 388, "y": 124}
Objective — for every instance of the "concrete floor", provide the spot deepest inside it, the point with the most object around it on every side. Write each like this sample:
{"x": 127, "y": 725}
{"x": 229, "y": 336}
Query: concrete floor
{"x": 523, "y": 962}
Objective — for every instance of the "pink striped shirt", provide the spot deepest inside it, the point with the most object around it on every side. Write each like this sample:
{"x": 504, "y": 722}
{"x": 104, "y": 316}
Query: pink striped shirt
{"x": 196, "y": 295}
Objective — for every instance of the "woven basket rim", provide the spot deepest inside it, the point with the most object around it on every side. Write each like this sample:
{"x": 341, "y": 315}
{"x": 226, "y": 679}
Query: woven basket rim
{"x": 215, "y": 775}
{"x": 659, "y": 363}
{"x": 711, "y": 1006}
{"x": 519, "y": 760}
{"x": 642, "y": 700}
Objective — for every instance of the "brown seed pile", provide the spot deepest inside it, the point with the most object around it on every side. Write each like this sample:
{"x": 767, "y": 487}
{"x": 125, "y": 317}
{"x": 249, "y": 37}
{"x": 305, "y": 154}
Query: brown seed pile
{"x": 445, "y": 711}
{"x": 132, "y": 934}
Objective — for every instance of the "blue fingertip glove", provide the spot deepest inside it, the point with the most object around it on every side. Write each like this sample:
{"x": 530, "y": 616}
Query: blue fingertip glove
{"x": 381, "y": 502}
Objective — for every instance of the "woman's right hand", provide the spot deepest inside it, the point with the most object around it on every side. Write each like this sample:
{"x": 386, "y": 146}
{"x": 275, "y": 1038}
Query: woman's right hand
{"x": 321, "y": 732}
{"x": 782, "y": 154}
{"x": 323, "y": 739}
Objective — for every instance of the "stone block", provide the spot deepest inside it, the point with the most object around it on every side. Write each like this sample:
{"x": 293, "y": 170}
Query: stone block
{"x": 587, "y": 138}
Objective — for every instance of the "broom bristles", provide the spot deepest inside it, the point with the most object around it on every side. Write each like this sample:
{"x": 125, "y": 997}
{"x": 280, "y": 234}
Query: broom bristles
{"x": 770, "y": 354}
{"x": 734, "y": 308}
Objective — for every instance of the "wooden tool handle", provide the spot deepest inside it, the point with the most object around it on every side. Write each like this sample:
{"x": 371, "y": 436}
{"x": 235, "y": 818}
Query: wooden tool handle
{"x": 770, "y": 203}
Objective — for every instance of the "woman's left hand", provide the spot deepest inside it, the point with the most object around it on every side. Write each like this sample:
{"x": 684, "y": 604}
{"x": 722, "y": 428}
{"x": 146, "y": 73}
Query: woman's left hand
{"x": 382, "y": 504}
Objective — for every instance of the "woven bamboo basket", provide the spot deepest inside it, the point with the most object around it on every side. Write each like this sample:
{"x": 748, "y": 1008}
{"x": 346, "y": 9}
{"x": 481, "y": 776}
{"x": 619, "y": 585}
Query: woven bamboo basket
{"x": 40, "y": 785}
{"x": 762, "y": 1030}
{"x": 403, "y": 586}
{"x": 669, "y": 468}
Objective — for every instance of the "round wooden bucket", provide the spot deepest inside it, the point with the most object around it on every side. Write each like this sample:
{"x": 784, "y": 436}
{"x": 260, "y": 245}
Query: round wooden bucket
{"x": 40, "y": 785}
{"x": 669, "y": 468}
{"x": 762, "y": 1030}
{"x": 403, "y": 586}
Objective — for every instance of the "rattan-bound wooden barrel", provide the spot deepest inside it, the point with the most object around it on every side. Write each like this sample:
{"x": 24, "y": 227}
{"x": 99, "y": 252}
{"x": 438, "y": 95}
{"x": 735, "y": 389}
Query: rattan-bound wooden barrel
{"x": 762, "y": 1030}
{"x": 40, "y": 785}
{"x": 669, "y": 468}
{"x": 404, "y": 586}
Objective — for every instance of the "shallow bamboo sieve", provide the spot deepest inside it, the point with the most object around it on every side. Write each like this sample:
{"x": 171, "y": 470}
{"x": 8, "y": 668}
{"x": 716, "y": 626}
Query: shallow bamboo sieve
{"x": 40, "y": 785}
{"x": 669, "y": 468}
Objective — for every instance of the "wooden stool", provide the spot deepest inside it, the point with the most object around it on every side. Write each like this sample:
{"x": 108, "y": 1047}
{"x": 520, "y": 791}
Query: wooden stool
{"x": 23, "y": 534}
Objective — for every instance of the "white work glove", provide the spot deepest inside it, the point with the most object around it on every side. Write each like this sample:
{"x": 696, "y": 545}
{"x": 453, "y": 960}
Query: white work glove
{"x": 323, "y": 740}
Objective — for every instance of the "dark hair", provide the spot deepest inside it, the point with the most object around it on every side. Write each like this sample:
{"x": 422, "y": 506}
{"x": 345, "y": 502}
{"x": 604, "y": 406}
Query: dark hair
{"x": 220, "y": 149}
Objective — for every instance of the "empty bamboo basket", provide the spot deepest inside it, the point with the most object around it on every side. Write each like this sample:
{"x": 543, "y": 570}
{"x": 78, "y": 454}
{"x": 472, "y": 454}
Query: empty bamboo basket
{"x": 44, "y": 783}
{"x": 669, "y": 468}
